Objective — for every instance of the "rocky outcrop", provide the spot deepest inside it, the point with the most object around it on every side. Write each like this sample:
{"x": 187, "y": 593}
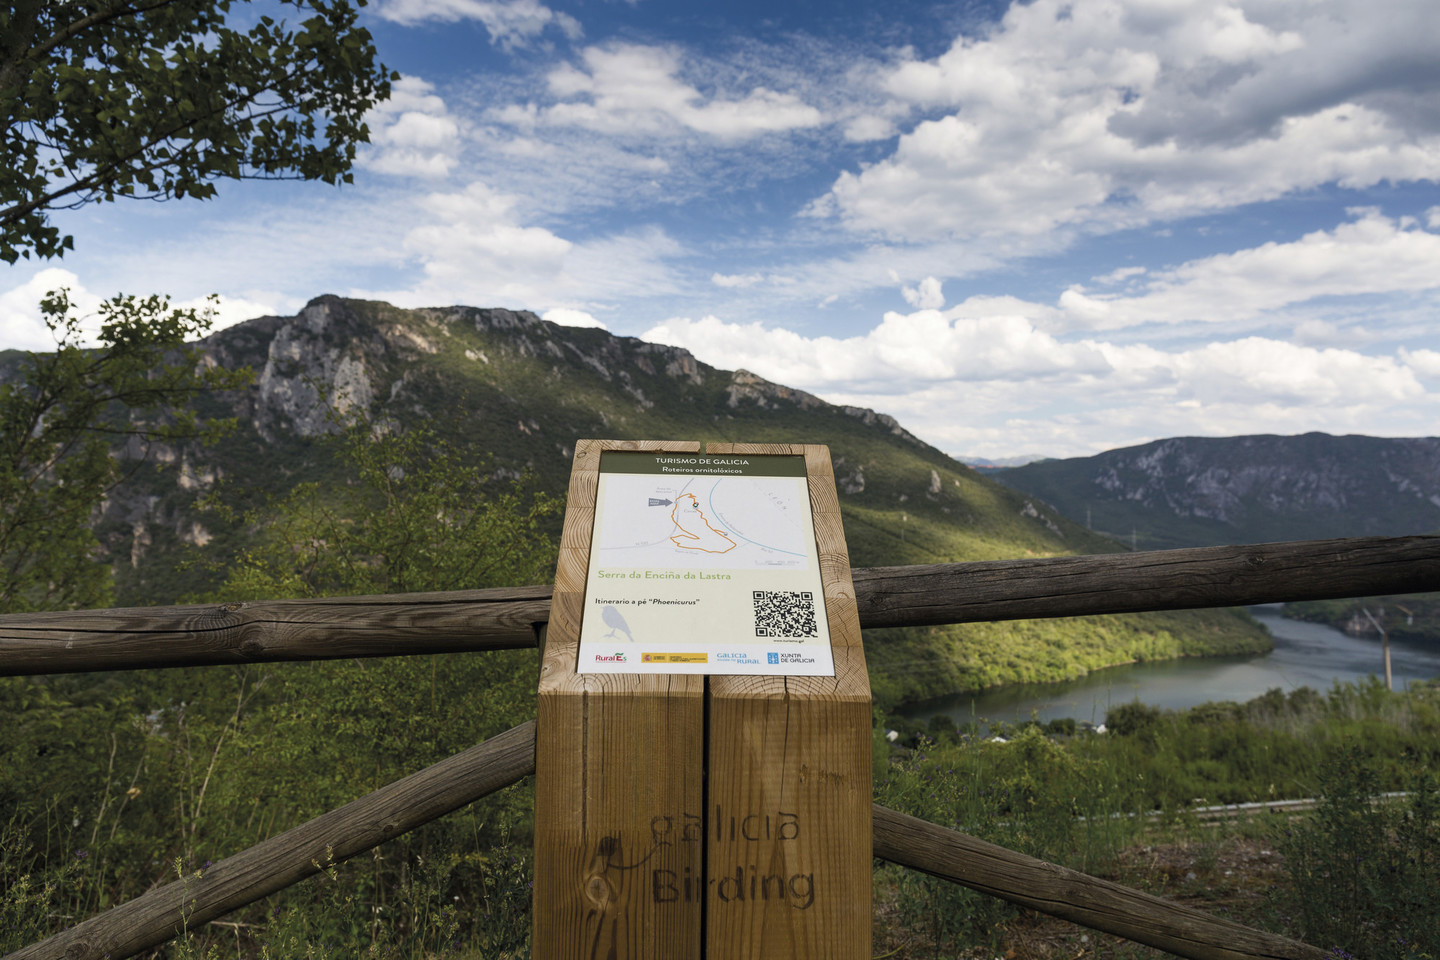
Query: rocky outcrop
{"x": 1198, "y": 490}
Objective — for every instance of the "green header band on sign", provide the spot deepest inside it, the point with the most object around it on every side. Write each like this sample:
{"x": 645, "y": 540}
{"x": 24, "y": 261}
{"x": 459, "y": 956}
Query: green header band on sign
{"x": 703, "y": 465}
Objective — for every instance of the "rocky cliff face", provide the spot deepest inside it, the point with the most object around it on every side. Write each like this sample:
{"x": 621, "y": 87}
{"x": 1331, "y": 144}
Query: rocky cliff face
{"x": 517, "y": 388}
{"x": 1193, "y": 491}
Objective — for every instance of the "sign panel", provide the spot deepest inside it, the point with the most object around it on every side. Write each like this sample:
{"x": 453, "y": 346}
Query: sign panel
{"x": 704, "y": 564}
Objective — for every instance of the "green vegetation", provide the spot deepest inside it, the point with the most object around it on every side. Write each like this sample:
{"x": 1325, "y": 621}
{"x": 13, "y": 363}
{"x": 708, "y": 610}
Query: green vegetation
{"x": 917, "y": 664}
{"x": 1363, "y": 878}
{"x": 194, "y": 765}
{"x": 158, "y": 100}
{"x": 61, "y": 415}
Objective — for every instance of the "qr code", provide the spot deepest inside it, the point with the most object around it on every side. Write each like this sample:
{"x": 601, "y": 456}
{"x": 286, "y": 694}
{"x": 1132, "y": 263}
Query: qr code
{"x": 785, "y": 613}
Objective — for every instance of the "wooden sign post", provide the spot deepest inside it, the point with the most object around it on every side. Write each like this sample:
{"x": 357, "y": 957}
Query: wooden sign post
{"x": 703, "y": 747}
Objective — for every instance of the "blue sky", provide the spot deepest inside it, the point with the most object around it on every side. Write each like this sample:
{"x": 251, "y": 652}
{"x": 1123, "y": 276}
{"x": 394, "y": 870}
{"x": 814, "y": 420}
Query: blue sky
{"x": 1056, "y": 227}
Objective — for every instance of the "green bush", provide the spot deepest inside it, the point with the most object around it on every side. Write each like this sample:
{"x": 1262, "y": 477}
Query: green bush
{"x": 1365, "y": 873}
{"x": 1130, "y": 719}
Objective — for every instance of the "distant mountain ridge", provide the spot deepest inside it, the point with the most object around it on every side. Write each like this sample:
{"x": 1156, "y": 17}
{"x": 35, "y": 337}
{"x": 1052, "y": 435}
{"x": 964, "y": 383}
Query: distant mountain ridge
{"x": 521, "y": 390}
{"x": 984, "y": 463}
{"x": 1202, "y": 491}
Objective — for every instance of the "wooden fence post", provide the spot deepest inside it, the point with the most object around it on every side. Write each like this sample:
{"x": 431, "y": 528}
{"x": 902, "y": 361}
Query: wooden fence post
{"x": 674, "y": 825}
{"x": 789, "y": 812}
{"x": 618, "y": 770}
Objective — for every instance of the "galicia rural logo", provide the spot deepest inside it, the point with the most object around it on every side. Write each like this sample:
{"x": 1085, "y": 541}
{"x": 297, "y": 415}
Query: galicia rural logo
{"x": 613, "y": 658}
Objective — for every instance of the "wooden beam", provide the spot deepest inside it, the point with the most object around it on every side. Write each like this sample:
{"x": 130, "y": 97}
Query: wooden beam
{"x": 159, "y": 915}
{"x": 421, "y": 623}
{"x": 1071, "y": 895}
{"x": 1153, "y": 580}
{"x": 788, "y": 788}
{"x": 273, "y": 630}
{"x": 618, "y": 775}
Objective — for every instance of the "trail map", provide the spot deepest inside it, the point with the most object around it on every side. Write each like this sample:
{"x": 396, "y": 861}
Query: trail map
{"x": 704, "y": 564}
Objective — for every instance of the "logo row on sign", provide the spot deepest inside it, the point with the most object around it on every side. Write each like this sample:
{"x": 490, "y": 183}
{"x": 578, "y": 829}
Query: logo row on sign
{"x": 770, "y": 658}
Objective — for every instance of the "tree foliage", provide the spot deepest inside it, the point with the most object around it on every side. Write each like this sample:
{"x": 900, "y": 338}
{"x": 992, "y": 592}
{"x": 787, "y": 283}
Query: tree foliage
{"x": 416, "y": 514}
{"x": 159, "y": 98}
{"x": 62, "y": 417}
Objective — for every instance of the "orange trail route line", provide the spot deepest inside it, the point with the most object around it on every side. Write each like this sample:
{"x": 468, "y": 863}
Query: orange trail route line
{"x": 685, "y": 534}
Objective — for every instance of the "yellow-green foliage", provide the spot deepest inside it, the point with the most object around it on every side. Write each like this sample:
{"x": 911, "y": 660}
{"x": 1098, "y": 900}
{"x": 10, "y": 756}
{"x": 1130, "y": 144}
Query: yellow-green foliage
{"x": 923, "y": 662}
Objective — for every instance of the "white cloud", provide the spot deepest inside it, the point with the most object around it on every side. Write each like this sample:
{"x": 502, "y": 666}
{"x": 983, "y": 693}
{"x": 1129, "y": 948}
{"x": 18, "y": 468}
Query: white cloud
{"x": 903, "y": 349}
{"x": 1424, "y": 363}
{"x": 1369, "y": 255}
{"x": 1112, "y": 113}
{"x": 412, "y": 133}
{"x": 511, "y": 23}
{"x": 927, "y": 296}
{"x": 995, "y": 383}
{"x": 870, "y": 127}
{"x": 567, "y": 317}
{"x": 736, "y": 279}
{"x": 477, "y": 248}
{"x": 22, "y": 325}
{"x": 634, "y": 90}
{"x": 475, "y": 237}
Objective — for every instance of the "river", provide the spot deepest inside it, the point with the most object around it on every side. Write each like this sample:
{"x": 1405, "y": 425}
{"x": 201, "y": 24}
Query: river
{"x": 1305, "y": 655}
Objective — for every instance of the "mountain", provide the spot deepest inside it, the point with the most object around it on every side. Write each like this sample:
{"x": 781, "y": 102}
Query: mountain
{"x": 981, "y": 463}
{"x": 1199, "y": 491}
{"x": 524, "y": 390}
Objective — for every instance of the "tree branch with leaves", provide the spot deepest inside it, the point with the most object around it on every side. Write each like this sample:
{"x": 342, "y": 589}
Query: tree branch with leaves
{"x": 62, "y": 417}
{"x": 158, "y": 99}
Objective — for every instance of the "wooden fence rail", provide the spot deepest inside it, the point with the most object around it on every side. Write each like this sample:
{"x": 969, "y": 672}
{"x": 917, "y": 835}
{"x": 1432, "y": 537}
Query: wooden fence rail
{"x": 507, "y": 618}
{"x": 426, "y": 623}
{"x": 1071, "y": 895}
{"x": 165, "y": 912}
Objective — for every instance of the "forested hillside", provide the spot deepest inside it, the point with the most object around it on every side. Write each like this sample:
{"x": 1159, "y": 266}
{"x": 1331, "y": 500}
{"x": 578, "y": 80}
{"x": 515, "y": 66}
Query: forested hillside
{"x": 512, "y": 393}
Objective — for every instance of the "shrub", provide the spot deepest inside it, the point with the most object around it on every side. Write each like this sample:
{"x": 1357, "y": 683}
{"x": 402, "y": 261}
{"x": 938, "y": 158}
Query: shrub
{"x": 1365, "y": 874}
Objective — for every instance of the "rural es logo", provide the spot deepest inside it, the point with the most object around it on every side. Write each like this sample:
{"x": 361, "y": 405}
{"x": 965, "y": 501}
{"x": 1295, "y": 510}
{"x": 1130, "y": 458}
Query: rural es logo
{"x": 613, "y": 658}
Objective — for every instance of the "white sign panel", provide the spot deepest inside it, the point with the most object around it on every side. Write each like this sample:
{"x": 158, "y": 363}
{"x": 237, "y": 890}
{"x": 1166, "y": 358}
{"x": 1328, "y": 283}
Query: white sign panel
{"x": 704, "y": 564}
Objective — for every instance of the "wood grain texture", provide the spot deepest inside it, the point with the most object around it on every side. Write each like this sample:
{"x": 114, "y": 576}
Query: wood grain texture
{"x": 788, "y": 839}
{"x": 160, "y": 914}
{"x": 414, "y": 624}
{"x": 1152, "y": 580}
{"x": 231, "y": 633}
{"x": 619, "y": 778}
{"x": 1078, "y": 897}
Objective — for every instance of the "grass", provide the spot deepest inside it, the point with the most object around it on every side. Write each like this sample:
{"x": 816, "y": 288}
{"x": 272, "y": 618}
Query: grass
{"x": 1360, "y": 877}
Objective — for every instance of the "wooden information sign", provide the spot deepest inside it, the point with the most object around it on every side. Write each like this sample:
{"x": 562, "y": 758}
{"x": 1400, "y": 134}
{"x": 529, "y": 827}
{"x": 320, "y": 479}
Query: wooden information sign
{"x": 703, "y": 744}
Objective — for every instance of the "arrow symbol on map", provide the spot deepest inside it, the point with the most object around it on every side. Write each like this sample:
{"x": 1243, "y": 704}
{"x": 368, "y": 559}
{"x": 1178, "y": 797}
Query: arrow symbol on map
{"x": 660, "y": 503}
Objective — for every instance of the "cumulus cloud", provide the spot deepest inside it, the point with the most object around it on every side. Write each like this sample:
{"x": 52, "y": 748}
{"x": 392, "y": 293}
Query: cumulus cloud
{"x": 22, "y": 324}
{"x": 510, "y": 23}
{"x": 1112, "y": 113}
{"x": 567, "y": 317}
{"x": 1372, "y": 254}
{"x": 1425, "y": 363}
{"x": 477, "y": 247}
{"x": 892, "y": 357}
{"x": 632, "y": 89}
{"x": 956, "y": 377}
{"x": 927, "y": 296}
{"x": 412, "y": 133}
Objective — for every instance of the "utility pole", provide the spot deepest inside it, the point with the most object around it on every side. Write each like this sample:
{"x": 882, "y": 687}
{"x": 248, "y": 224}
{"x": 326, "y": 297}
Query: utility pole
{"x": 1385, "y": 639}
